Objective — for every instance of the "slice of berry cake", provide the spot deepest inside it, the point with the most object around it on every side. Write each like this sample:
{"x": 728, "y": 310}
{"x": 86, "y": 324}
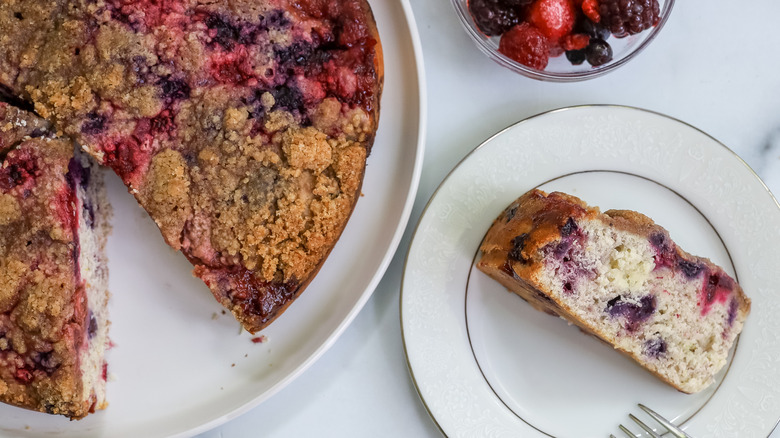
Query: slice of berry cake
{"x": 242, "y": 126}
{"x": 53, "y": 277}
{"x": 619, "y": 276}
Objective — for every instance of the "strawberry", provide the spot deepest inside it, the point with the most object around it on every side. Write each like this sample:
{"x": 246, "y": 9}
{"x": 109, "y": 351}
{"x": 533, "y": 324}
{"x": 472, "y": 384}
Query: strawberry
{"x": 525, "y": 44}
{"x": 554, "y": 18}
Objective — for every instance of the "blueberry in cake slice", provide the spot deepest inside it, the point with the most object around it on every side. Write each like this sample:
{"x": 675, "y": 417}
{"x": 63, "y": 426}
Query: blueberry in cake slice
{"x": 53, "y": 277}
{"x": 242, "y": 127}
{"x": 619, "y": 276}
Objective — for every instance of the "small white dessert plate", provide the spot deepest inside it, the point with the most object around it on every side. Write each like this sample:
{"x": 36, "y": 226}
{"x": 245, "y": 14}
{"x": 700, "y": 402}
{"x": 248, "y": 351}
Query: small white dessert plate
{"x": 487, "y": 364}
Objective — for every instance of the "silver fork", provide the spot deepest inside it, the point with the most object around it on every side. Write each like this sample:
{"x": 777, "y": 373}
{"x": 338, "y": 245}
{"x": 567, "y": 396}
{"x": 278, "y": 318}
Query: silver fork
{"x": 674, "y": 430}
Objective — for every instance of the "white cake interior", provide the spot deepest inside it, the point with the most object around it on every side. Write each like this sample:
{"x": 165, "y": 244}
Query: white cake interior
{"x": 94, "y": 213}
{"x": 608, "y": 278}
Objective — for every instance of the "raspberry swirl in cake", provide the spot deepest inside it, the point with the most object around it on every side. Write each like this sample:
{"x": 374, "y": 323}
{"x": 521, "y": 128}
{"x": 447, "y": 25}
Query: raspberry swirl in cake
{"x": 242, "y": 127}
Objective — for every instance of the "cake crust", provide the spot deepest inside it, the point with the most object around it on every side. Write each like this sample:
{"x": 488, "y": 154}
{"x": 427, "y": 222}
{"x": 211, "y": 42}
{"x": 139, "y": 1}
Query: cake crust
{"x": 519, "y": 244}
{"x": 242, "y": 127}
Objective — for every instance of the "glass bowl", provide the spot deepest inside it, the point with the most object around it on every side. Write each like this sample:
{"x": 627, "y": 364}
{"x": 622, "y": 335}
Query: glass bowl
{"x": 559, "y": 69}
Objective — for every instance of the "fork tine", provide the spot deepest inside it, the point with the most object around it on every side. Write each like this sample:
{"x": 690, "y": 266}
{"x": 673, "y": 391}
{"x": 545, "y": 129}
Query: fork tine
{"x": 644, "y": 426}
{"x": 627, "y": 432}
{"x": 674, "y": 430}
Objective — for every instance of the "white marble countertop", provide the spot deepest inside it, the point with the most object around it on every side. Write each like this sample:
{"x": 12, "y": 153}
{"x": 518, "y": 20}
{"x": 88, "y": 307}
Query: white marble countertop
{"x": 715, "y": 66}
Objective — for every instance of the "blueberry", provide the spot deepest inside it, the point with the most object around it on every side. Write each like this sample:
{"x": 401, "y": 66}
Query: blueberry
{"x": 297, "y": 53}
{"x": 226, "y": 33}
{"x": 562, "y": 248}
{"x": 287, "y": 98}
{"x": 689, "y": 268}
{"x": 633, "y": 313}
{"x": 511, "y": 213}
{"x": 275, "y": 18}
{"x": 654, "y": 348}
{"x": 518, "y": 243}
{"x": 77, "y": 174}
{"x": 593, "y": 29}
{"x": 93, "y": 325}
{"x": 658, "y": 240}
{"x": 598, "y": 52}
{"x": 37, "y": 132}
{"x": 569, "y": 227}
{"x": 140, "y": 66}
{"x": 94, "y": 124}
{"x": 45, "y": 362}
{"x": 576, "y": 57}
{"x": 89, "y": 214}
{"x": 732, "y": 311}
{"x": 174, "y": 88}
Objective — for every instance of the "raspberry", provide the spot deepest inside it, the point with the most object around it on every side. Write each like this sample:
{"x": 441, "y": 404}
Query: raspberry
{"x": 629, "y": 17}
{"x": 23, "y": 375}
{"x": 21, "y": 168}
{"x": 526, "y": 45}
{"x": 591, "y": 10}
{"x": 494, "y": 17}
{"x": 554, "y": 18}
{"x": 575, "y": 41}
{"x": 555, "y": 50}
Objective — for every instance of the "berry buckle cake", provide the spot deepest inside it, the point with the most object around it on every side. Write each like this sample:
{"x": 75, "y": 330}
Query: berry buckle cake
{"x": 53, "y": 277}
{"x": 619, "y": 276}
{"x": 242, "y": 127}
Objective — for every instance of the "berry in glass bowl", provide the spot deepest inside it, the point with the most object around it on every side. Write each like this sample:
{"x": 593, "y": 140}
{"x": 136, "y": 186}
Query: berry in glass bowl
{"x": 562, "y": 40}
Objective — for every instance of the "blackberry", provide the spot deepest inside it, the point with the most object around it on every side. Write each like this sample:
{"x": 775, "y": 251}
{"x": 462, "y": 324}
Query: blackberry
{"x": 494, "y": 17}
{"x": 629, "y": 17}
{"x": 598, "y": 52}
